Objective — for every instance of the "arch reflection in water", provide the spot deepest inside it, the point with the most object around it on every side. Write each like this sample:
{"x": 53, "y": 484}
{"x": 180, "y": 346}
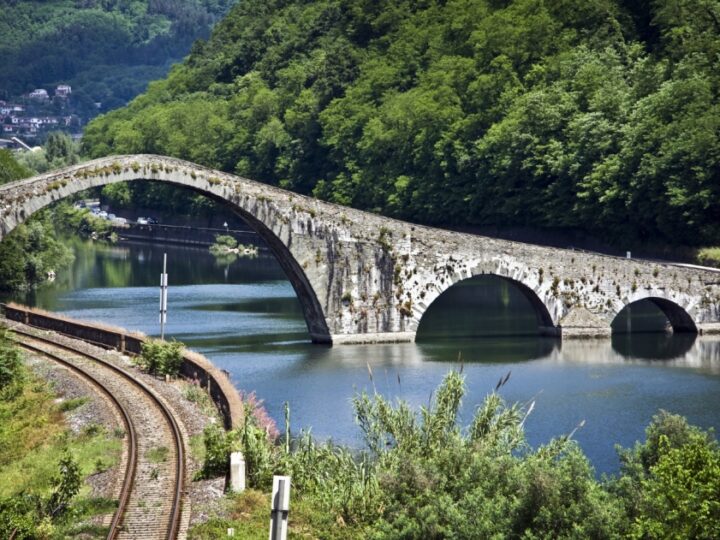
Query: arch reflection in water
{"x": 484, "y": 306}
{"x": 489, "y": 349}
{"x": 653, "y": 346}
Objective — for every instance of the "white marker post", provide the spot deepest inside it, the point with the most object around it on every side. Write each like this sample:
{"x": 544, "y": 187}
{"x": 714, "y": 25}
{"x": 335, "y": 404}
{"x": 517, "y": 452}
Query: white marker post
{"x": 237, "y": 472}
{"x": 163, "y": 297}
{"x": 280, "y": 508}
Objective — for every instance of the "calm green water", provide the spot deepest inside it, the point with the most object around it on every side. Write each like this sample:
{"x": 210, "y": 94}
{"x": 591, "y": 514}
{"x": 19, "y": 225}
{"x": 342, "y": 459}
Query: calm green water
{"x": 245, "y": 317}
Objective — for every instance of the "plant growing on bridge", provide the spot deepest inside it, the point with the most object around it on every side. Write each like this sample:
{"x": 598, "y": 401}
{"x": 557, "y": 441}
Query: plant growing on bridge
{"x": 384, "y": 237}
{"x": 709, "y": 256}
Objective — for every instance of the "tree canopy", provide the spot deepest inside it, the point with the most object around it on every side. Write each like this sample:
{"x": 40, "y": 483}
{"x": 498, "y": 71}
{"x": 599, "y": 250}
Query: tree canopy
{"x": 601, "y": 116}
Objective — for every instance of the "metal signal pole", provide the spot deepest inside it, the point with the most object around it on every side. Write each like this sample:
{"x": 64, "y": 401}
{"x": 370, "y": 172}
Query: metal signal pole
{"x": 163, "y": 297}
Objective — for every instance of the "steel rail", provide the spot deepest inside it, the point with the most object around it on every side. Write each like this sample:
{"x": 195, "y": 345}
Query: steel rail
{"x": 176, "y": 511}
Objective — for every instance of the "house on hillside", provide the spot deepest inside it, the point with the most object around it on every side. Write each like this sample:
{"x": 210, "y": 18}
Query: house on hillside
{"x": 10, "y": 108}
{"x": 39, "y": 94}
{"x": 40, "y": 121}
{"x": 63, "y": 90}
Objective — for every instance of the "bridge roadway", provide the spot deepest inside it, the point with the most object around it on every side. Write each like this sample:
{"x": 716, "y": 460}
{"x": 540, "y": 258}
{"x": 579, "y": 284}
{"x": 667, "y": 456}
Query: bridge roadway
{"x": 364, "y": 278}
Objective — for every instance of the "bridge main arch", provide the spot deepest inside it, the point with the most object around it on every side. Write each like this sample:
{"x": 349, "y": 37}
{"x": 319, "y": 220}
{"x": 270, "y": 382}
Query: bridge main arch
{"x": 247, "y": 200}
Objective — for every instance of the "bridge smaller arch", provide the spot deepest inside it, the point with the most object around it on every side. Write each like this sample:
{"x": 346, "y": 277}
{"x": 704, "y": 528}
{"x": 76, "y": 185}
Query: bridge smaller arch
{"x": 678, "y": 318}
{"x": 458, "y": 297}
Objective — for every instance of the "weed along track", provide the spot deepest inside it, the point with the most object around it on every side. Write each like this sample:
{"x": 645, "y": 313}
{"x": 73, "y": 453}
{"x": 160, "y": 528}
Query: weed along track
{"x": 150, "y": 502}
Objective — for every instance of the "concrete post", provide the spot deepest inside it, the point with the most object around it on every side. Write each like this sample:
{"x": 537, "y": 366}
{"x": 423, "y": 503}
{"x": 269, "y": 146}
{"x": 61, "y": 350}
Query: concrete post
{"x": 280, "y": 508}
{"x": 237, "y": 472}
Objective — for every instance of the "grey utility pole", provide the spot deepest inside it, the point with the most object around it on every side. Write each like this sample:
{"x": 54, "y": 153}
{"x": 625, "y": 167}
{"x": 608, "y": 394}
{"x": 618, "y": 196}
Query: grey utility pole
{"x": 163, "y": 297}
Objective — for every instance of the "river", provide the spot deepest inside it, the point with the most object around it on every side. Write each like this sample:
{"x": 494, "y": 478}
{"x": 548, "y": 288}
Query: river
{"x": 244, "y": 316}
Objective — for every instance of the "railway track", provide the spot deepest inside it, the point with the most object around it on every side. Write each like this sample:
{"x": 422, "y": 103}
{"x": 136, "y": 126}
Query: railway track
{"x": 150, "y": 501}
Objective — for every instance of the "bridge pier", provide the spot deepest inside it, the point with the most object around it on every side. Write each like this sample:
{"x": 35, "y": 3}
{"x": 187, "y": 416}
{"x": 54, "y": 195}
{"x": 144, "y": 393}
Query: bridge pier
{"x": 710, "y": 328}
{"x": 579, "y": 323}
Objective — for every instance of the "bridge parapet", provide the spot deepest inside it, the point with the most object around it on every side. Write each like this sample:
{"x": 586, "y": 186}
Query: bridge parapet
{"x": 361, "y": 277}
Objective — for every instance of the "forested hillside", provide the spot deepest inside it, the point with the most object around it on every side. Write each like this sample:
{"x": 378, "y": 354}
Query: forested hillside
{"x": 107, "y": 50}
{"x": 601, "y": 115}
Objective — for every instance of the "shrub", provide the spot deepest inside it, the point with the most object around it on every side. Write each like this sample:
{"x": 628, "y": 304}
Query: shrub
{"x": 226, "y": 240}
{"x": 161, "y": 357}
{"x": 709, "y": 256}
{"x": 72, "y": 404}
{"x": 28, "y": 516}
{"x": 10, "y": 361}
{"x": 217, "y": 452}
{"x": 669, "y": 483}
{"x": 256, "y": 439}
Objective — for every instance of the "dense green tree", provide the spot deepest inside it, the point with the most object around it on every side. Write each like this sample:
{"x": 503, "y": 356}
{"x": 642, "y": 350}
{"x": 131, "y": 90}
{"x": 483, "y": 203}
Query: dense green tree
{"x": 600, "y": 115}
{"x": 32, "y": 249}
{"x": 60, "y": 150}
{"x": 10, "y": 169}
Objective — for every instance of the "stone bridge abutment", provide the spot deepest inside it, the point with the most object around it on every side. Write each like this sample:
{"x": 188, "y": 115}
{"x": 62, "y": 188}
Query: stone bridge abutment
{"x": 361, "y": 277}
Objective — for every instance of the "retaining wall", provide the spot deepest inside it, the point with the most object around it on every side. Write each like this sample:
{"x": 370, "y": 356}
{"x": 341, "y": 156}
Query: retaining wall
{"x": 194, "y": 366}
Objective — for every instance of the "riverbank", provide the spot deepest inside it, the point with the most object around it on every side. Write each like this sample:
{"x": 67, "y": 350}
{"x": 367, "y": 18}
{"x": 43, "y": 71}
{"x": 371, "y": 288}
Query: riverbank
{"x": 245, "y": 316}
{"x": 183, "y": 235}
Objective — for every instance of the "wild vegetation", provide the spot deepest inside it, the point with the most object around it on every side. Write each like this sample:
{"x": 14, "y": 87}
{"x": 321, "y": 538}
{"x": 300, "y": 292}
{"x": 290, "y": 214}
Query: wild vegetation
{"x": 43, "y": 464}
{"x": 10, "y": 169}
{"x": 58, "y": 151}
{"x": 600, "y": 116}
{"x": 161, "y": 357}
{"x": 422, "y": 475}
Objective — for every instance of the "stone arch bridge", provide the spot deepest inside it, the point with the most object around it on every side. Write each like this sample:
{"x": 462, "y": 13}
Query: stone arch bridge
{"x": 361, "y": 277}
